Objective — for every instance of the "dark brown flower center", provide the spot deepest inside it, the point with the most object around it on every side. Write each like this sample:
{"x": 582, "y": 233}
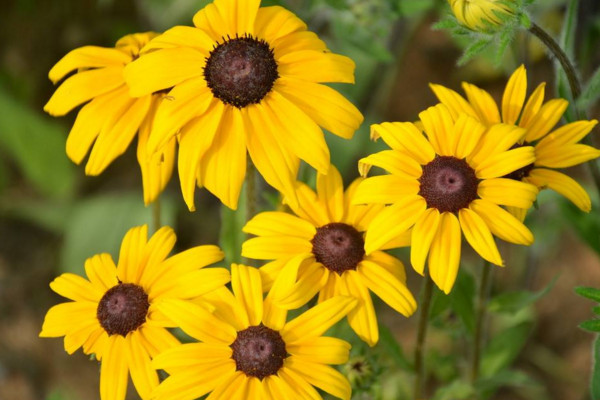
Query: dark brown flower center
{"x": 523, "y": 172}
{"x": 258, "y": 351}
{"x": 339, "y": 247}
{"x": 241, "y": 71}
{"x": 448, "y": 184}
{"x": 123, "y": 309}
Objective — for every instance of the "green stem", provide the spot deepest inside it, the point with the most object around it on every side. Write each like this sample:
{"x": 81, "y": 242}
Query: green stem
{"x": 426, "y": 295}
{"x": 251, "y": 199}
{"x": 156, "y": 214}
{"x": 574, "y": 84}
{"x": 482, "y": 296}
{"x": 560, "y": 55}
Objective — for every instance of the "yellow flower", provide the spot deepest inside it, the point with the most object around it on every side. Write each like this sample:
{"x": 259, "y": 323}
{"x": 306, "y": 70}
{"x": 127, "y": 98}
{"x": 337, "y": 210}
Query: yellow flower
{"x": 249, "y": 351}
{"x": 479, "y": 15}
{"x": 244, "y": 79}
{"x": 114, "y": 314}
{"x": 557, "y": 148}
{"x": 321, "y": 250}
{"x": 445, "y": 183}
{"x": 109, "y": 122}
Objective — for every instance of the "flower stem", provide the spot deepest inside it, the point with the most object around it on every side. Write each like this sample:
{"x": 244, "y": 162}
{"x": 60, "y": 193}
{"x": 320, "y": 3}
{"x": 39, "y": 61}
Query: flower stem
{"x": 560, "y": 55}
{"x": 156, "y": 224}
{"x": 574, "y": 84}
{"x": 251, "y": 200}
{"x": 480, "y": 318}
{"x": 421, "y": 336}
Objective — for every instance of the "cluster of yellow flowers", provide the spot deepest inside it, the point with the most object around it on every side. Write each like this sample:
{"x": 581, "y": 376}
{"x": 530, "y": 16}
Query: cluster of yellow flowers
{"x": 248, "y": 79}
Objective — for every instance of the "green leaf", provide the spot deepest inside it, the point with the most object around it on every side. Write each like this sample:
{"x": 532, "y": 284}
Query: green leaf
{"x": 595, "y": 380}
{"x": 586, "y": 225}
{"x": 51, "y": 215}
{"x": 567, "y": 36}
{"x": 462, "y": 299}
{"x": 593, "y": 325}
{"x": 37, "y": 146}
{"x": 512, "y": 302}
{"x": 98, "y": 225}
{"x": 393, "y": 348}
{"x": 457, "y": 390}
{"x": 474, "y": 49}
{"x": 589, "y": 293}
{"x": 231, "y": 236}
{"x": 503, "y": 379}
{"x": 504, "y": 348}
{"x": 596, "y": 310}
{"x": 591, "y": 91}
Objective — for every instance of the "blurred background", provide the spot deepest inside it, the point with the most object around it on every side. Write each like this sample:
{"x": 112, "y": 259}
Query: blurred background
{"x": 52, "y": 217}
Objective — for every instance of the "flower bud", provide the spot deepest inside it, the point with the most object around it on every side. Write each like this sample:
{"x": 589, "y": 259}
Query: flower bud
{"x": 479, "y": 15}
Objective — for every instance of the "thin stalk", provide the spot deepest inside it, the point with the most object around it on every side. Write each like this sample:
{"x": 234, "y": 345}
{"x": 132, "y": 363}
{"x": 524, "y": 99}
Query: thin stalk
{"x": 574, "y": 84}
{"x": 484, "y": 287}
{"x": 421, "y": 337}
{"x": 156, "y": 211}
{"x": 251, "y": 200}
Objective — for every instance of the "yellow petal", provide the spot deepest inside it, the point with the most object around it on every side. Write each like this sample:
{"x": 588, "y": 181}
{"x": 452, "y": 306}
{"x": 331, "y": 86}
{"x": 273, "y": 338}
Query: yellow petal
{"x": 114, "y": 369}
{"x": 389, "y": 263}
{"x": 61, "y": 317}
{"x": 115, "y": 138}
{"x": 439, "y": 125}
{"x": 387, "y": 287}
{"x": 483, "y": 104}
{"x": 386, "y": 189}
{"x": 322, "y": 376}
{"x": 297, "y": 131}
{"x": 87, "y": 57}
{"x": 296, "y": 41}
{"x": 514, "y": 96}
{"x": 130, "y": 267}
{"x": 533, "y": 105}
{"x": 502, "y": 223}
{"x": 76, "y": 288}
{"x": 301, "y": 389}
{"x": 566, "y": 134}
{"x": 270, "y": 248}
{"x": 308, "y": 207}
{"x": 545, "y": 119}
{"x": 311, "y": 279}
{"x": 101, "y": 271}
{"x": 247, "y": 288}
{"x": 190, "y": 285}
{"x": 163, "y": 69}
{"x": 322, "y": 350}
{"x": 83, "y": 87}
{"x": 563, "y": 184}
{"x": 182, "y": 36}
{"x": 195, "y": 382}
{"x": 456, "y": 104}
{"x": 393, "y": 221}
{"x": 276, "y": 22}
{"x": 565, "y": 156}
{"x": 444, "y": 254}
{"x": 507, "y": 192}
{"x": 197, "y": 322}
{"x": 324, "y": 105}
{"x": 144, "y": 377}
{"x": 318, "y": 319}
{"x": 277, "y": 164}
{"x": 330, "y": 191}
{"x": 395, "y": 162}
{"x": 502, "y": 164}
{"x": 404, "y": 136}
{"x": 223, "y": 167}
{"x": 191, "y": 354}
{"x": 422, "y": 236}
{"x": 277, "y": 223}
{"x": 497, "y": 139}
{"x": 362, "y": 318}
{"x": 316, "y": 66}
{"x": 479, "y": 236}
{"x": 467, "y": 133}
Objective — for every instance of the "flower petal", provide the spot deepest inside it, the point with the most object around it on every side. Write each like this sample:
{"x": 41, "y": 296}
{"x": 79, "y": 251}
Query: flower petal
{"x": 455, "y": 103}
{"x": 181, "y": 36}
{"x": 247, "y": 288}
{"x": 499, "y": 138}
{"x": 439, "y": 128}
{"x": 563, "y": 184}
{"x": 130, "y": 267}
{"x": 76, "y": 288}
{"x": 444, "y": 254}
{"x": 386, "y": 189}
{"x": 395, "y": 162}
{"x": 322, "y": 350}
{"x": 507, "y": 192}
{"x": 566, "y": 134}
{"x": 322, "y": 376}
{"x": 144, "y": 377}
{"x": 422, "y": 236}
{"x": 565, "y": 155}
{"x": 276, "y": 22}
{"x": 483, "y": 104}
{"x": 101, "y": 271}
{"x": 533, "y": 105}
{"x": 277, "y": 223}
{"x": 502, "y": 164}
{"x": 87, "y": 57}
{"x": 404, "y": 136}
{"x": 545, "y": 119}
{"x": 273, "y": 247}
{"x": 316, "y": 66}
{"x": 502, "y": 223}
{"x": 362, "y": 318}
{"x": 479, "y": 236}
{"x": 330, "y": 191}
{"x": 114, "y": 369}
{"x": 467, "y": 133}
{"x": 514, "y": 96}
{"x": 387, "y": 287}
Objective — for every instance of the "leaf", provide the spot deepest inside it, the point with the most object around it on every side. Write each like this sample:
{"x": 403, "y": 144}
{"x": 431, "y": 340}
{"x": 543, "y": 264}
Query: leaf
{"x": 589, "y": 293}
{"x": 503, "y": 379}
{"x": 462, "y": 299}
{"x": 457, "y": 390}
{"x": 473, "y": 49}
{"x": 567, "y": 36}
{"x": 98, "y": 225}
{"x": 504, "y": 348}
{"x": 37, "y": 146}
{"x": 393, "y": 348}
{"x": 512, "y": 302}
{"x": 595, "y": 380}
{"x": 51, "y": 215}
{"x": 587, "y": 226}
{"x": 591, "y": 91}
{"x": 231, "y": 236}
{"x": 593, "y": 325}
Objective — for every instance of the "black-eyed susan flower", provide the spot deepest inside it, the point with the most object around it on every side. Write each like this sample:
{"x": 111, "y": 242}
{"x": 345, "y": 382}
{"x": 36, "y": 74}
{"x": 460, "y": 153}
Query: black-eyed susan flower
{"x": 109, "y": 121}
{"x": 247, "y": 350}
{"x": 449, "y": 181}
{"x": 113, "y": 313}
{"x": 245, "y": 79}
{"x": 554, "y": 149}
{"x": 321, "y": 250}
{"x": 480, "y": 15}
